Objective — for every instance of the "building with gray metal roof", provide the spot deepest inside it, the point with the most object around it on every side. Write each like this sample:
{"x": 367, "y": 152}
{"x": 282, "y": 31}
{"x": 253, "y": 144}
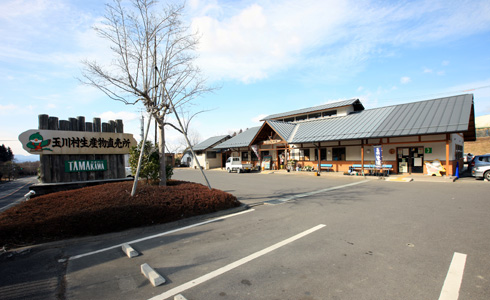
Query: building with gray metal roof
{"x": 443, "y": 115}
{"x": 210, "y": 142}
{"x": 344, "y": 134}
{"x": 240, "y": 140}
{"x": 205, "y": 154}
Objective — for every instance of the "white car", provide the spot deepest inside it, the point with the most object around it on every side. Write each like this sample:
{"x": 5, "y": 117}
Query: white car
{"x": 235, "y": 164}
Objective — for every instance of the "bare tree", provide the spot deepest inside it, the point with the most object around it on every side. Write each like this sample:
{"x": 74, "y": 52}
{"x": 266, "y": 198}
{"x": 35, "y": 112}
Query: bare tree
{"x": 154, "y": 62}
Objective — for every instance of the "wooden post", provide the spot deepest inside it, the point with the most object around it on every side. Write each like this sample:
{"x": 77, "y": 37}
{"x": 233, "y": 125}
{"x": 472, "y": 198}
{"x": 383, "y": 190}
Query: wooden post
{"x": 65, "y": 125}
{"x": 44, "y": 159}
{"x": 81, "y": 123}
{"x": 97, "y": 127}
{"x": 448, "y": 138}
{"x": 73, "y": 124}
{"x": 362, "y": 157}
{"x": 43, "y": 121}
{"x": 89, "y": 126}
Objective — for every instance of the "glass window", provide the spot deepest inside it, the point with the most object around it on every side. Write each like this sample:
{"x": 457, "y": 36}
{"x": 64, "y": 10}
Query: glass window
{"x": 338, "y": 154}
{"x": 211, "y": 154}
{"x": 244, "y": 155}
{"x": 323, "y": 153}
{"x": 330, "y": 113}
{"x": 301, "y": 118}
{"x": 306, "y": 154}
{"x": 295, "y": 154}
{"x": 301, "y": 154}
{"x": 314, "y": 116}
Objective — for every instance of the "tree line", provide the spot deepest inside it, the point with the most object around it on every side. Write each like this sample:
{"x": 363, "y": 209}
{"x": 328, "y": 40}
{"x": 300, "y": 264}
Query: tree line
{"x": 10, "y": 170}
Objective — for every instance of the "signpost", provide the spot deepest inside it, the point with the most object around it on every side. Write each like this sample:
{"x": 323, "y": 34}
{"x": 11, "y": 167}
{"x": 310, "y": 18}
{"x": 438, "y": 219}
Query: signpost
{"x": 77, "y": 151}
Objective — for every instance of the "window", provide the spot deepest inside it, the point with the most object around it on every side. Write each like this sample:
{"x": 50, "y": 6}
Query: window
{"x": 459, "y": 152}
{"x": 306, "y": 154}
{"x": 210, "y": 154}
{"x": 329, "y": 113}
{"x": 314, "y": 116}
{"x": 323, "y": 153}
{"x": 338, "y": 154}
{"x": 245, "y": 155}
{"x": 301, "y": 118}
{"x": 301, "y": 154}
{"x": 295, "y": 153}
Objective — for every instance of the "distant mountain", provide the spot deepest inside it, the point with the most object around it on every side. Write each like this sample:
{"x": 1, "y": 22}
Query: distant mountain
{"x": 23, "y": 158}
{"x": 482, "y": 121}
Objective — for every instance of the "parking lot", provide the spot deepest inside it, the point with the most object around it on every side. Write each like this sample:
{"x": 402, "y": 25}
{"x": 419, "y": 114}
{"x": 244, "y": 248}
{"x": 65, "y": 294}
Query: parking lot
{"x": 304, "y": 237}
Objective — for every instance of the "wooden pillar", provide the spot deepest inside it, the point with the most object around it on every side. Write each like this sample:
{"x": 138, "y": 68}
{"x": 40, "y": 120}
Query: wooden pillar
{"x": 97, "y": 126}
{"x": 81, "y": 123}
{"x": 362, "y": 157}
{"x": 319, "y": 157}
{"x": 448, "y": 137}
{"x": 44, "y": 159}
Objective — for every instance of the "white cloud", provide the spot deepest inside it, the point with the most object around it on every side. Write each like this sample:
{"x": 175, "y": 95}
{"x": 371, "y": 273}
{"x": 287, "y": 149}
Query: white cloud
{"x": 427, "y": 70}
{"x": 258, "y": 118}
{"x": 405, "y": 80}
{"x": 7, "y": 109}
{"x": 249, "y": 42}
{"x": 445, "y": 63}
{"x": 126, "y": 116}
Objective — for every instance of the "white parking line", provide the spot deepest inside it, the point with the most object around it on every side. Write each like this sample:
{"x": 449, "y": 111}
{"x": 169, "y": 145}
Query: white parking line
{"x": 454, "y": 277}
{"x": 155, "y": 236}
{"x": 233, "y": 265}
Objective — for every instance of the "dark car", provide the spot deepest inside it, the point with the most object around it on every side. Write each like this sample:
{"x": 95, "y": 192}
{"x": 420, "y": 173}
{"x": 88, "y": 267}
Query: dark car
{"x": 480, "y": 166}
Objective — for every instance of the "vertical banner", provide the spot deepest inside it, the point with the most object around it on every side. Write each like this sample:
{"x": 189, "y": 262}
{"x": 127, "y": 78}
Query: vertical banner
{"x": 378, "y": 156}
{"x": 255, "y": 149}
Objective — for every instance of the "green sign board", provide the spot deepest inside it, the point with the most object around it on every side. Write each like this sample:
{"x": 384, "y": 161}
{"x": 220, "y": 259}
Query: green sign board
{"x": 428, "y": 150}
{"x": 85, "y": 165}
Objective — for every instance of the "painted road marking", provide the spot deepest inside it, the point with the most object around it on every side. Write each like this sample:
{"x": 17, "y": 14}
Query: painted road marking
{"x": 154, "y": 236}
{"x": 220, "y": 271}
{"x": 289, "y": 198}
{"x": 454, "y": 277}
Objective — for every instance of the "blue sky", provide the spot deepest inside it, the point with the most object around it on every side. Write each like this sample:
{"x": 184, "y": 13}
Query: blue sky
{"x": 267, "y": 57}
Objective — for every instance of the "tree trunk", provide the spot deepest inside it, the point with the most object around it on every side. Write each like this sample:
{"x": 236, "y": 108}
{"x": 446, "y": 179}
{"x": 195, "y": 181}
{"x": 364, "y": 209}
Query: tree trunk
{"x": 161, "y": 153}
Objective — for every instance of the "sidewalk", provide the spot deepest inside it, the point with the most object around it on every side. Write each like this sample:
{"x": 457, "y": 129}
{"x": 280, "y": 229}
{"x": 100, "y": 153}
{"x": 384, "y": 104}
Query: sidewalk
{"x": 391, "y": 177}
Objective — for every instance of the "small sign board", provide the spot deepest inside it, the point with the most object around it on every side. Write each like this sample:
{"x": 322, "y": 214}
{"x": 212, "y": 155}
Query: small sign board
{"x": 85, "y": 165}
{"x": 428, "y": 150}
{"x": 378, "y": 156}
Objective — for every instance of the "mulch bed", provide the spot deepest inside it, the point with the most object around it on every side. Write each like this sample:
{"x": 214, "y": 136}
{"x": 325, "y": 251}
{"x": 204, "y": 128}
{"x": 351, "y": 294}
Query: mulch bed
{"x": 106, "y": 208}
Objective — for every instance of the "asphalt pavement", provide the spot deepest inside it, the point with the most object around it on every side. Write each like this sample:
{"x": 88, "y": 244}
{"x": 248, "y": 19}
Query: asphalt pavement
{"x": 304, "y": 237}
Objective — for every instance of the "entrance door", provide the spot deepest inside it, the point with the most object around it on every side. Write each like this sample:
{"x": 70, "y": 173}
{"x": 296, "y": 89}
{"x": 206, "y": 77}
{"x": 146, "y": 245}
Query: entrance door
{"x": 410, "y": 159}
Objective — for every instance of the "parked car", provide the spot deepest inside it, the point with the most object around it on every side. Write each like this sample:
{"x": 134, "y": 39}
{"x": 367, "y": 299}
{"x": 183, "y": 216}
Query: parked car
{"x": 480, "y": 166}
{"x": 235, "y": 164}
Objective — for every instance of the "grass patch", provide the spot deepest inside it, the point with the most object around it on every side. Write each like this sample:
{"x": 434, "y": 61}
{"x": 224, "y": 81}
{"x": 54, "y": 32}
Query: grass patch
{"x": 106, "y": 208}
